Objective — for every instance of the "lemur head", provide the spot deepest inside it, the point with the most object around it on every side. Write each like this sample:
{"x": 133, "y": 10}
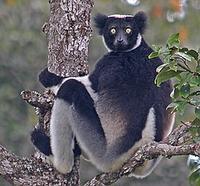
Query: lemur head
{"x": 121, "y": 32}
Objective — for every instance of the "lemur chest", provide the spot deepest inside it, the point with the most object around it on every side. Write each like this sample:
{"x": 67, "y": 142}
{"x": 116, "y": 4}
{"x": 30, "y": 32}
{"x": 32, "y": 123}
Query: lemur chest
{"x": 115, "y": 75}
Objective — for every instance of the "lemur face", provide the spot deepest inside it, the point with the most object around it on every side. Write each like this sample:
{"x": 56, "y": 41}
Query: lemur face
{"x": 121, "y": 32}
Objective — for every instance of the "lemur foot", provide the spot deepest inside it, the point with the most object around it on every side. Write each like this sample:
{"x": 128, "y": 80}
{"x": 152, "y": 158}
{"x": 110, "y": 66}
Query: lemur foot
{"x": 41, "y": 141}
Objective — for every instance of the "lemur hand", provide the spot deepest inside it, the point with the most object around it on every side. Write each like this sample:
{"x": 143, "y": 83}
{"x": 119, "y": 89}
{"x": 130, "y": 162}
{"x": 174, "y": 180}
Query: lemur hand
{"x": 49, "y": 79}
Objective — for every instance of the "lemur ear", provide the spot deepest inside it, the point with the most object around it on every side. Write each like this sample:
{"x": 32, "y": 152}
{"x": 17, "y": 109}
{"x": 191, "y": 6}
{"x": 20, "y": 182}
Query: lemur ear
{"x": 100, "y": 21}
{"x": 141, "y": 21}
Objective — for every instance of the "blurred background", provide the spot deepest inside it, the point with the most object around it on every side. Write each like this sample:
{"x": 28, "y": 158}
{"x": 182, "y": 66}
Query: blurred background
{"x": 23, "y": 52}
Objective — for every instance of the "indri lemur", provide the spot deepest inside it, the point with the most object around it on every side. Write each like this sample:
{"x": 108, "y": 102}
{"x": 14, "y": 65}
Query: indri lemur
{"x": 115, "y": 109}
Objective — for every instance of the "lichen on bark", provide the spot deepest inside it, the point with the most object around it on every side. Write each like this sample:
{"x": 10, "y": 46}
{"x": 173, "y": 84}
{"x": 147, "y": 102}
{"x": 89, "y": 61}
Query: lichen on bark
{"x": 68, "y": 33}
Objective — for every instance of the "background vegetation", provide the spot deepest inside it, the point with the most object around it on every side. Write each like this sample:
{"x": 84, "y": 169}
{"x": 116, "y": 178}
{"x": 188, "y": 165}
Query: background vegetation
{"x": 23, "y": 52}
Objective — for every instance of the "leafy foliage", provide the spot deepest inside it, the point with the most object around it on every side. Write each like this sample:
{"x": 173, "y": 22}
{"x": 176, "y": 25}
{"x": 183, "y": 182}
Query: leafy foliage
{"x": 194, "y": 165}
{"x": 183, "y": 65}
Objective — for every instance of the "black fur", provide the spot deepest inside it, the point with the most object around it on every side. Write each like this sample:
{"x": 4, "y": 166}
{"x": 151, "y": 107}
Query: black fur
{"x": 123, "y": 79}
{"x": 129, "y": 77}
{"x": 76, "y": 150}
{"x": 42, "y": 142}
{"x": 141, "y": 21}
{"x": 49, "y": 79}
{"x": 100, "y": 21}
{"x": 137, "y": 23}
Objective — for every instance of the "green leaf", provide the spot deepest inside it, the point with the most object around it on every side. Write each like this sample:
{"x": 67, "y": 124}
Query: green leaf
{"x": 198, "y": 68}
{"x": 185, "y": 90}
{"x": 194, "y": 54}
{"x": 196, "y": 122}
{"x": 184, "y": 56}
{"x": 165, "y": 75}
{"x": 175, "y": 93}
{"x": 153, "y": 55}
{"x": 177, "y": 106}
{"x": 173, "y": 65}
{"x": 156, "y": 48}
{"x": 195, "y": 101}
{"x": 159, "y": 68}
{"x": 195, "y": 132}
{"x": 172, "y": 106}
{"x": 181, "y": 106}
{"x": 195, "y": 81}
{"x": 194, "y": 178}
{"x": 173, "y": 40}
{"x": 197, "y": 112}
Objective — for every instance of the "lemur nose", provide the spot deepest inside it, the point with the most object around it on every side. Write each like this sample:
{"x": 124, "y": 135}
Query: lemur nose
{"x": 119, "y": 40}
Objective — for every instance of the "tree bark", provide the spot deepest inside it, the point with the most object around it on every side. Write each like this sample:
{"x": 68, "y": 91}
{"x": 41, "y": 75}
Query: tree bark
{"x": 68, "y": 32}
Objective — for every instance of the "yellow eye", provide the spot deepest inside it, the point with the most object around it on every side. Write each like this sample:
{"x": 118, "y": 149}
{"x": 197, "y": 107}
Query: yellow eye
{"x": 113, "y": 31}
{"x": 128, "y": 30}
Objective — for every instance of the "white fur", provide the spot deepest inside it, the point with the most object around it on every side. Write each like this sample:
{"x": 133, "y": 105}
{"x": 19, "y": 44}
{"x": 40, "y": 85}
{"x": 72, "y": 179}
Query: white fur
{"x": 84, "y": 80}
{"x": 109, "y": 50}
{"x": 62, "y": 140}
{"x": 171, "y": 126}
{"x": 120, "y": 16}
{"x": 55, "y": 89}
{"x": 149, "y": 130}
{"x": 138, "y": 43}
{"x": 146, "y": 169}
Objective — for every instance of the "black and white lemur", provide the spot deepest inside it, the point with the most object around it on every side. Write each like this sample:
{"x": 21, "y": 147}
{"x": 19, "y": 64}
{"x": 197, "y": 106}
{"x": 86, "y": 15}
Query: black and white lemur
{"x": 112, "y": 111}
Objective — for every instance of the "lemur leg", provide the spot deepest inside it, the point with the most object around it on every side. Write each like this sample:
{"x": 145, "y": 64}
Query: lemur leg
{"x": 168, "y": 122}
{"x": 62, "y": 138}
{"x": 61, "y": 143}
{"x": 74, "y": 101}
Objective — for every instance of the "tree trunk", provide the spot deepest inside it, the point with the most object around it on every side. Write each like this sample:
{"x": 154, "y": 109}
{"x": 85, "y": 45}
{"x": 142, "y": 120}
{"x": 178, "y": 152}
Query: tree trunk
{"x": 68, "y": 32}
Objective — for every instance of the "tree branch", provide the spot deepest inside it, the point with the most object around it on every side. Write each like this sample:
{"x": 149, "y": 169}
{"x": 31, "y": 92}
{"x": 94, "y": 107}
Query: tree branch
{"x": 35, "y": 99}
{"x": 27, "y": 171}
{"x": 167, "y": 148}
{"x": 31, "y": 171}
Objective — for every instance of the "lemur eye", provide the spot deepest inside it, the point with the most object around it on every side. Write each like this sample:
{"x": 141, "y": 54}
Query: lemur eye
{"x": 128, "y": 30}
{"x": 113, "y": 31}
